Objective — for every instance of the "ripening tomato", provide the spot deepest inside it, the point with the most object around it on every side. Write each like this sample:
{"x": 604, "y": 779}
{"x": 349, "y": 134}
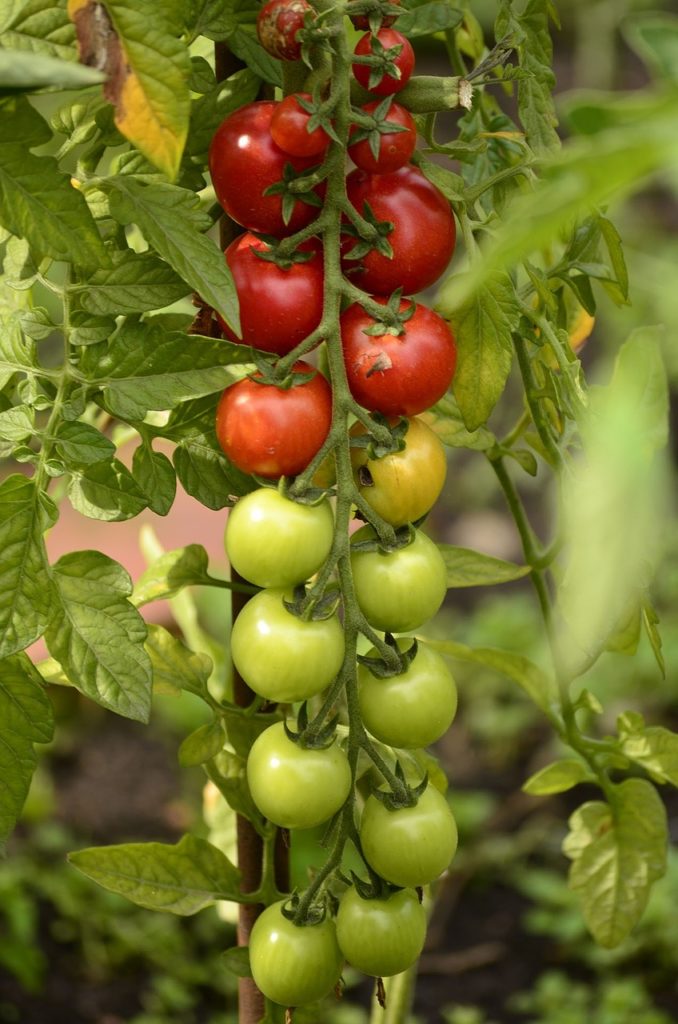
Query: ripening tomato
{"x": 388, "y": 39}
{"x": 384, "y": 936}
{"x": 423, "y": 233}
{"x": 410, "y": 846}
{"x": 403, "y": 486}
{"x": 280, "y": 656}
{"x": 289, "y": 128}
{"x": 278, "y": 22}
{"x": 398, "y": 591}
{"x": 398, "y": 374}
{"x": 395, "y": 148}
{"x": 244, "y": 161}
{"x": 414, "y": 708}
{"x": 279, "y": 306}
{"x": 276, "y": 542}
{"x": 294, "y": 964}
{"x": 295, "y": 786}
{"x": 274, "y": 431}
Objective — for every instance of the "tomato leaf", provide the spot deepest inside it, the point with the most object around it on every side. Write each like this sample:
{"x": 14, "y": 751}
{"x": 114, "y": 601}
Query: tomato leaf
{"x": 183, "y": 567}
{"x": 650, "y": 621}
{"x": 206, "y": 474}
{"x": 445, "y": 418}
{"x": 181, "y": 879}
{"x": 175, "y": 667}
{"x": 28, "y": 72}
{"x": 79, "y": 444}
{"x": 25, "y": 718}
{"x": 106, "y": 491}
{"x": 137, "y": 282}
{"x": 617, "y": 852}
{"x": 654, "y": 37}
{"x": 467, "y": 568}
{"x": 97, "y": 636}
{"x": 155, "y": 475}
{"x": 558, "y": 777}
{"x": 237, "y": 961}
{"x": 35, "y": 27}
{"x": 202, "y": 744}
{"x": 227, "y": 772}
{"x": 652, "y": 747}
{"x": 428, "y": 18}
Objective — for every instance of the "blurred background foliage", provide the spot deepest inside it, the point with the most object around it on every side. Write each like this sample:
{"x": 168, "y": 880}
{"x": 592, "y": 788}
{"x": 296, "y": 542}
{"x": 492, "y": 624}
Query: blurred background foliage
{"x": 507, "y": 942}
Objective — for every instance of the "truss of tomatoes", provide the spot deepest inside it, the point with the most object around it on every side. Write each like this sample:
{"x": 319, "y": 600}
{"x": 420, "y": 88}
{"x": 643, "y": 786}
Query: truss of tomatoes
{"x": 398, "y": 364}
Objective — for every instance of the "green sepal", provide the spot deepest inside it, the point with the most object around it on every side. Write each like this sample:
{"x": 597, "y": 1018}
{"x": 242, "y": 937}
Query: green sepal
{"x": 381, "y": 669}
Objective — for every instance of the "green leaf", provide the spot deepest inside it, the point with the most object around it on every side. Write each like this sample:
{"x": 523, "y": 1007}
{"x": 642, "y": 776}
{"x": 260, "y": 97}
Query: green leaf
{"x": 144, "y": 366}
{"x": 482, "y": 326}
{"x": 252, "y": 53}
{"x": 227, "y": 772}
{"x": 237, "y": 961}
{"x": 183, "y": 567}
{"x": 654, "y": 37}
{"x": 154, "y": 473}
{"x": 557, "y": 777}
{"x": 428, "y": 18}
{"x": 206, "y": 474}
{"x": 172, "y": 221}
{"x": 617, "y": 853}
{"x": 209, "y": 110}
{"x": 97, "y": 636}
{"x": 137, "y": 282}
{"x": 17, "y": 424}
{"x": 37, "y": 200}
{"x": 79, "y": 444}
{"x": 652, "y": 747}
{"x": 650, "y": 621}
{"x": 219, "y": 19}
{"x": 175, "y": 667}
{"x": 445, "y": 419}
{"x": 25, "y": 718}
{"x": 450, "y": 184}
{"x": 202, "y": 745}
{"x": 539, "y": 686}
{"x": 466, "y": 568}
{"x": 37, "y": 27}
{"x": 24, "y": 72}
{"x": 535, "y": 99}
{"x": 243, "y": 729}
{"x": 106, "y": 491}
{"x": 181, "y": 879}
{"x": 25, "y": 590}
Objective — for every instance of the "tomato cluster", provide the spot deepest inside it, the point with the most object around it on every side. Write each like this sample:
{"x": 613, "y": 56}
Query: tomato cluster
{"x": 391, "y": 358}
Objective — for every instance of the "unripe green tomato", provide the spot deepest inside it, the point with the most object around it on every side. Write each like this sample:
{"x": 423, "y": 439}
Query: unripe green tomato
{"x": 280, "y": 656}
{"x": 414, "y": 708}
{"x": 381, "y": 937}
{"x": 275, "y": 542}
{"x": 410, "y": 846}
{"x": 294, "y": 964}
{"x": 294, "y": 786}
{"x": 399, "y": 590}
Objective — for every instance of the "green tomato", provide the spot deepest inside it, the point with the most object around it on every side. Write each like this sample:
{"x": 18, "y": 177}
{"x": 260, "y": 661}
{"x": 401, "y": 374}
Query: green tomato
{"x": 280, "y": 656}
{"x": 294, "y": 964}
{"x": 414, "y": 708}
{"x": 410, "y": 846}
{"x": 294, "y": 786}
{"x": 399, "y": 590}
{"x": 381, "y": 937}
{"x": 275, "y": 542}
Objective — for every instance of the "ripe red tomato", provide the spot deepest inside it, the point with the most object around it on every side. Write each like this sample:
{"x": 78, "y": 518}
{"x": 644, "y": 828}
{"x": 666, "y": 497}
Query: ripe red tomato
{"x": 395, "y": 148}
{"x": 278, "y": 22}
{"x": 244, "y": 161}
{"x": 398, "y": 374}
{"x": 404, "y": 61}
{"x": 289, "y": 128}
{"x": 423, "y": 233}
{"x": 274, "y": 431}
{"x": 278, "y": 307}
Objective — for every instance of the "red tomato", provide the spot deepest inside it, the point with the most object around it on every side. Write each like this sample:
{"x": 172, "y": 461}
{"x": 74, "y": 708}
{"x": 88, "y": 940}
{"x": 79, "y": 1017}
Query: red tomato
{"x": 362, "y": 21}
{"x": 278, "y": 22}
{"x": 423, "y": 233}
{"x": 398, "y": 375}
{"x": 278, "y": 307}
{"x": 404, "y": 61}
{"x": 274, "y": 431}
{"x": 244, "y": 160}
{"x": 395, "y": 149}
{"x": 289, "y": 128}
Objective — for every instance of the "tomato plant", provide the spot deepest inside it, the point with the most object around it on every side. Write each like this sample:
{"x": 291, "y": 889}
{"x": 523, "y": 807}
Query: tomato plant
{"x": 389, "y": 143}
{"x": 290, "y": 127}
{"x": 293, "y": 964}
{"x": 274, "y": 431}
{"x": 381, "y": 936}
{"x": 295, "y": 786}
{"x": 394, "y": 47}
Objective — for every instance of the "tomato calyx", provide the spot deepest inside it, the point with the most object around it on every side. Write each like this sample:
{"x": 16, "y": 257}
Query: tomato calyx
{"x": 376, "y": 888}
{"x": 405, "y": 795}
{"x": 313, "y": 914}
{"x": 296, "y": 186}
{"x": 393, "y": 322}
{"x": 381, "y": 61}
{"x": 266, "y": 371}
{"x": 281, "y": 256}
{"x": 311, "y": 738}
{"x": 383, "y": 669}
{"x": 320, "y": 111}
{"x": 373, "y": 14}
{"x": 376, "y": 238}
{"x": 404, "y": 536}
{"x": 371, "y": 126}
{"x": 379, "y": 446}
{"x": 310, "y": 609}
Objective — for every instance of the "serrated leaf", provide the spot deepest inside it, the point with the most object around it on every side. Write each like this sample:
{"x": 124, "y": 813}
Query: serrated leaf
{"x": 467, "y": 568}
{"x": 655, "y": 749}
{"x": 25, "y": 590}
{"x": 206, "y": 474}
{"x": 172, "y": 222}
{"x": 617, "y": 853}
{"x": 535, "y": 99}
{"x": 36, "y": 27}
{"x": 148, "y": 68}
{"x": 136, "y": 283}
{"x": 25, "y": 718}
{"x": 97, "y": 635}
{"x": 17, "y": 424}
{"x": 80, "y": 444}
{"x": 537, "y": 684}
{"x": 202, "y": 745}
{"x": 175, "y": 667}
{"x": 428, "y": 18}
{"x": 37, "y": 200}
{"x": 106, "y": 491}
{"x": 183, "y": 567}
{"x": 181, "y": 879}
{"x": 482, "y": 327}
{"x": 445, "y": 419}
{"x": 154, "y": 473}
{"x": 557, "y": 777}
